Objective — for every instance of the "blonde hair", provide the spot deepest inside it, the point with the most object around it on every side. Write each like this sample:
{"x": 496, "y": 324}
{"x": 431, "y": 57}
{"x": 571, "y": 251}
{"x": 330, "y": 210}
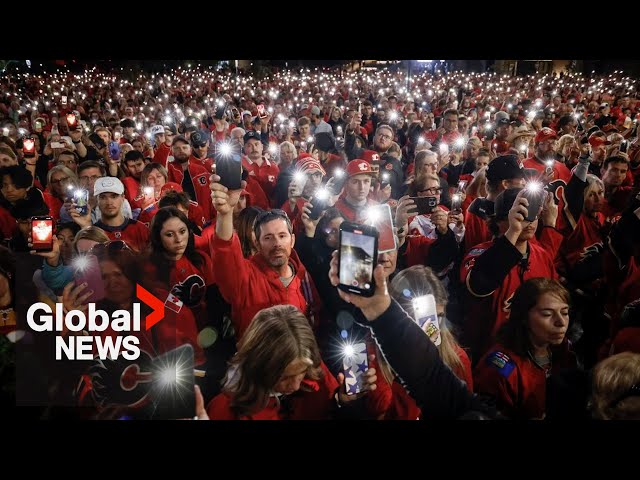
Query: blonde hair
{"x": 564, "y": 140}
{"x": 612, "y": 380}
{"x": 592, "y": 183}
{"x": 276, "y": 337}
{"x": 422, "y": 280}
{"x": 90, "y": 233}
{"x": 395, "y": 150}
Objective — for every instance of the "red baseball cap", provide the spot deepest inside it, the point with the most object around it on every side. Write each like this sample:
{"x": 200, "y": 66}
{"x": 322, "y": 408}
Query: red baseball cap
{"x": 370, "y": 156}
{"x": 545, "y": 134}
{"x": 359, "y": 167}
{"x": 597, "y": 141}
{"x": 170, "y": 186}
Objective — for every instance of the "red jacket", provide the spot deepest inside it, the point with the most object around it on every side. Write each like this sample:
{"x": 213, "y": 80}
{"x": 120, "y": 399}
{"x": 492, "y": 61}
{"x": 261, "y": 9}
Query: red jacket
{"x": 134, "y": 233}
{"x": 315, "y": 402}
{"x": 200, "y": 178}
{"x": 258, "y": 197}
{"x": 8, "y": 225}
{"x": 54, "y": 204}
{"x": 162, "y": 153}
{"x": 250, "y": 285}
{"x": 517, "y": 383}
{"x": 476, "y": 229}
{"x": 560, "y": 171}
{"x": 486, "y": 314}
{"x": 351, "y": 213}
{"x": 266, "y": 174}
{"x": 132, "y": 192}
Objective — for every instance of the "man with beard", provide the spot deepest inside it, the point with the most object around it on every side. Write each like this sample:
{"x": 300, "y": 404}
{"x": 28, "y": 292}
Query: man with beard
{"x": 200, "y": 147}
{"x": 110, "y": 194}
{"x": 263, "y": 170}
{"x": 618, "y": 197}
{"x": 193, "y": 177}
{"x": 273, "y": 276}
{"x": 382, "y": 141}
{"x": 544, "y": 158}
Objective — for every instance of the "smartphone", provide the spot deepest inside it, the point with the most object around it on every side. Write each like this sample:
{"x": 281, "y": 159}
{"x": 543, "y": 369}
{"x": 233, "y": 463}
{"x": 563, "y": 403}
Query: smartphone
{"x": 624, "y": 146}
{"x": 354, "y": 365}
{"x": 358, "y": 255}
{"x": 338, "y": 183}
{"x": 72, "y": 121}
{"x": 29, "y": 147}
{"x": 81, "y": 199}
{"x": 444, "y": 148}
{"x": 114, "y": 150}
{"x": 87, "y": 270}
{"x": 229, "y": 169}
{"x": 262, "y": 112}
{"x": 456, "y": 203}
{"x": 379, "y": 217}
{"x": 424, "y": 205}
{"x": 42, "y": 233}
{"x": 64, "y": 100}
{"x": 172, "y": 390}
{"x": 58, "y": 145}
{"x": 220, "y": 109}
{"x": 535, "y": 198}
{"x": 425, "y": 315}
{"x": 319, "y": 203}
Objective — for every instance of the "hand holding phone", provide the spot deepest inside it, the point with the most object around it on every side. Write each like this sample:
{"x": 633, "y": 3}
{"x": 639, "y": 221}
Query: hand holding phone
{"x": 87, "y": 270}
{"x": 29, "y": 147}
{"x": 229, "y": 169}
{"x": 262, "y": 112}
{"x": 535, "y": 195}
{"x": 357, "y": 258}
{"x": 81, "y": 200}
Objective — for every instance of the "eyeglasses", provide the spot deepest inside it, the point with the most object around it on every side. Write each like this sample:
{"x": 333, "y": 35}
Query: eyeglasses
{"x": 433, "y": 191}
{"x": 386, "y": 137}
{"x": 110, "y": 247}
{"x": 59, "y": 180}
{"x": 634, "y": 391}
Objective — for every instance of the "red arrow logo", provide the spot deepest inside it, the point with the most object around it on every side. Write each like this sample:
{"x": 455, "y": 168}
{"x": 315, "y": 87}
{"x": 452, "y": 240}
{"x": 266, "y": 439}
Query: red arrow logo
{"x": 156, "y": 304}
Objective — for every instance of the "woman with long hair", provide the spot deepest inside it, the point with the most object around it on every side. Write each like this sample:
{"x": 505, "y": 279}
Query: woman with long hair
{"x": 530, "y": 347}
{"x": 411, "y": 289}
{"x": 278, "y": 373}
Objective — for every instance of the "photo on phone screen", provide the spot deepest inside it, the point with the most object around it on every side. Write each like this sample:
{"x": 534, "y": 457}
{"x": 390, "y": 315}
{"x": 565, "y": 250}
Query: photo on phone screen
{"x": 354, "y": 365}
{"x": 229, "y": 169}
{"x": 379, "y": 217}
{"x": 358, "y": 254}
{"x": 173, "y": 385}
{"x": 424, "y": 205}
{"x": 81, "y": 199}
{"x": 262, "y": 112}
{"x": 42, "y": 233}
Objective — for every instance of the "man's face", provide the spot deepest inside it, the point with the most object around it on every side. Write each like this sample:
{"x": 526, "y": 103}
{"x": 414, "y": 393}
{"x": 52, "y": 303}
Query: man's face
{"x": 451, "y": 122}
{"x": 367, "y": 110}
{"x": 88, "y": 178}
{"x": 383, "y": 139}
{"x": 358, "y": 187}
{"x": 253, "y": 149}
{"x": 304, "y": 132}
{"x": 201, "y": 152}
{"x": 181, "y": 151}
{"x": 463, "y": 127}
{"x": 135, "y": 167}
{"x": 388, "y": 260}
{"x": 275, "y": 242}
{"x": 503, "y": 131}
{"x": 314, "y": 180}
{"x": 110, "y": 204}
{"x": 545, "y": 149}
{"x": 431, "y": 189}
{"x": 614, "y": 174}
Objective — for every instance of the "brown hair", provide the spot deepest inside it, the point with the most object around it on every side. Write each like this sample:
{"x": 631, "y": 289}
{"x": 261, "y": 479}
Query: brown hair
{"x": 613, "y": 379}
{"x": 276, "y": 337}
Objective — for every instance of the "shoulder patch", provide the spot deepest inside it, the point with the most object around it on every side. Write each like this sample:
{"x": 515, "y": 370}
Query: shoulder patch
{"x": 202, "y": 179}
{"x": 389, "y": 166}
{"x": 502, "y": 363}
{"x": 475, "y": 251}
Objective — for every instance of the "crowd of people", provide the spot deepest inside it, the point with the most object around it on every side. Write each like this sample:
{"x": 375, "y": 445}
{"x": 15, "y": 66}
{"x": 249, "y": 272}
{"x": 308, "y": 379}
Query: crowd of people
{"x": 528, "y": 247}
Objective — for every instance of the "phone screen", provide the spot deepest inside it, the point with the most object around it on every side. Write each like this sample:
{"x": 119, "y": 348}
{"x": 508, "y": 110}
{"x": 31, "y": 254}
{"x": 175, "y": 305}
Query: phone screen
{"x": 261, "y": 111}
{"x": 29, "y": 147}
{"x": 42, "y": 233}
{"x": 358, "y": 256}
{"x": 64, "y": 99}
{"x": 380, "y": 218}
{"x": 354, "y": 365}
{"x": 81, "y": 199}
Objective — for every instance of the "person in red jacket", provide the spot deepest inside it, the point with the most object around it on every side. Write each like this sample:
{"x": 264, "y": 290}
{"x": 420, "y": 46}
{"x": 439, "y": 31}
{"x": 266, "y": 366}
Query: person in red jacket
{"x": 355, "y": 198}
{"x": 544, "y": 158}
{"x": 531, "y": 346}
{"x": 193, "y": 178}
{"x": 200, "y": 146}
{"x": 275, "y": 275}
{"x": 410, "y": 288}
{"x": 163, "y": 136}
{"x": 134, "y": 165}
{"x": 492, "y": 271}
{"x": 614, "y": 170}
{"x": 278, "y": 374}
{"x": 263, "y": 170}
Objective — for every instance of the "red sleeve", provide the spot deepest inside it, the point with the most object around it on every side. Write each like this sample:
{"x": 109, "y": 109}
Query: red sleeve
{"x": 489, "y": 381}
{"x": 378, "y": 401}
{"x": 258, "y": 197}
{"x": 161, "y": 155}
{"x": 417, "y": 250}
{"x": 550, "y": 239}
{"x": 219, "y": 408}
{"x": 465, "y": 372}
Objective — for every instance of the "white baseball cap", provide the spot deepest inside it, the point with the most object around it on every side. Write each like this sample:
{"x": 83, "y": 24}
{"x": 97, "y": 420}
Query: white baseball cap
{"x": 157, "y": 130}
{"x": 108, "y": 185}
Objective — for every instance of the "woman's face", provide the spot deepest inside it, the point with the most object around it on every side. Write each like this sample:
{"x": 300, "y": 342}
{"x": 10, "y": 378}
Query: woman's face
{"x": 118, "y": 288}
{"x": 292, "y": 377}
{"x": 335, "y": 115}
{"x": 65, "y": 237}
{"x": 287, "y": 154}
{"x": 174, "y": 236}
{"x": 156, "y": 180}
{"x": 548, "y": 320}
{"x": 10, "y": 191}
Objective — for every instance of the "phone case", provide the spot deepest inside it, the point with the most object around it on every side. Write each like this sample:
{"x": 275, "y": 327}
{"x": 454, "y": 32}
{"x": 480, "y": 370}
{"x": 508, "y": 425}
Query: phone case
{"x": 358, "y": 255}
{"x": 229, "y": 169}
{"x": 535, "y": 201}
{"x": 354, "y": 367}
{"x": 384, "y": 225}
{"x": 173, "y": 384}
{"x": 424, "y": 205}
{"x": 81, "y": 199}
{"x": 319, "y": 205}
{"x": 88, "y": 271}
{"x": 426, "y": 316}
{"x": 42, "y": 233}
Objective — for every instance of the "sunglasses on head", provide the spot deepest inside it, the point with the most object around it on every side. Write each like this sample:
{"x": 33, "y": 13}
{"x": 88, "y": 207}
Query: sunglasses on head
{"x": 109, "y": 247}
